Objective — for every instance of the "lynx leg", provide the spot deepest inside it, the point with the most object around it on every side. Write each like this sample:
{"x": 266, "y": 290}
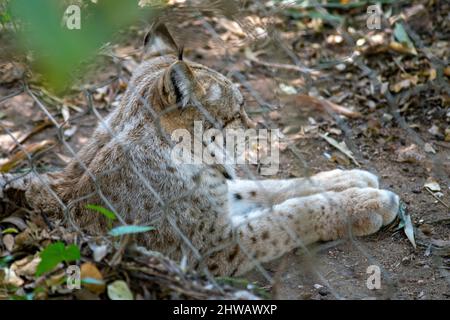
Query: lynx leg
{"x": 263, "y": 235}
{"x": 246, "y": 195}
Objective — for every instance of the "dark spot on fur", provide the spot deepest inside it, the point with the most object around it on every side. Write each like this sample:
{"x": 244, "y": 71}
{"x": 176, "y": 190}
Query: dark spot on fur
{"x": 201, "y": 226}
{"x": 275, "y": 242}
{"x": 265, "y": 235}
{"x": 226, "y": 175}
{"x": 253, "y": 194}
{"x": 171, "y": 169}
{"x": 237, "y": 196}
{"x": 213, "y": 267}
{"x": 233, "y": 253}
{"x": 253, "y": 239}
{"x": 249, "y": 226}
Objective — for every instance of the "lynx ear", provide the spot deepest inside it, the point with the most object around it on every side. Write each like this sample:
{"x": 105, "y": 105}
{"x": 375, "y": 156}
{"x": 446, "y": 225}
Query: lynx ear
{"x": 158, "y": 41}
{"x": 179, "y": 84}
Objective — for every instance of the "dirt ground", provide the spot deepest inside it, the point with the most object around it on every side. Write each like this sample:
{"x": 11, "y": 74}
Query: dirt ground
{"x": 397, "y": 152}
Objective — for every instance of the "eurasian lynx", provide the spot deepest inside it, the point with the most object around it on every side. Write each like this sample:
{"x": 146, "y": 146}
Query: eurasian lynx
{"x": 199, "y": 211}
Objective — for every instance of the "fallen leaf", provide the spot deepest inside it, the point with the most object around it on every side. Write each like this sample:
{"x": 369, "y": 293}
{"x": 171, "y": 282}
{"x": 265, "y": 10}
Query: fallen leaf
{"x": 118, "y": 290}
{"x": 16, "y": 221}
{"x": 8, "y": 241}
{"x": 341, "y": 146}
{"x": 90, "y": 272}
{"x": 119, "y": 231}
{"x": 428, "y": 148}
{"x": 432, "y": 185}
{"x": 99, "y": 251}
{"x": 434, "y": 130}
{"x": 26, "y": 266}
{"x": 406, "y": 224}
{"x": 9, "y": 277}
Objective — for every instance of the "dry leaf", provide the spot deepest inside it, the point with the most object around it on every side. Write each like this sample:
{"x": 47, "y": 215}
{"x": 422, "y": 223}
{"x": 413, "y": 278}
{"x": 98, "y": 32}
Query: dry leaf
{"x": 22, "y": 154}
{"x": 8, "y": 241}
{"x": 341, "y": 146}
{"x": 432, "y": 185}
{"x": 118, "y": 290}
{"x": 90, "y": 271}
{"x": 9, "y": 277}
{"x": 26, "y": 266}
{"x": 428, "y": 148}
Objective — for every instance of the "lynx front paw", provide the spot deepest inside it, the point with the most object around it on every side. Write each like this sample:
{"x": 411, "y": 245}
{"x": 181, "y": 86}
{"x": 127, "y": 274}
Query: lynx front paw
{"x": 369, "y": 209}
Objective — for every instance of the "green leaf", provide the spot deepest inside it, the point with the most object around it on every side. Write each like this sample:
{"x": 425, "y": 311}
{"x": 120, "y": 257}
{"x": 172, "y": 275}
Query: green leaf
{"x": 56, "y": 253}
{"x": 107, "y": 213}
{"x": 118, "y": 231}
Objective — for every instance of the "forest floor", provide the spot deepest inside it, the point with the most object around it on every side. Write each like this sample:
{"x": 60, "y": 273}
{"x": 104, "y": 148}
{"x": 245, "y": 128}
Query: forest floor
{"x": 396, "y": 124}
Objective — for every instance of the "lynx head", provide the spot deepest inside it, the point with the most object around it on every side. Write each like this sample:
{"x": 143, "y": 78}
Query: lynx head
{"x": 184, "y": 91}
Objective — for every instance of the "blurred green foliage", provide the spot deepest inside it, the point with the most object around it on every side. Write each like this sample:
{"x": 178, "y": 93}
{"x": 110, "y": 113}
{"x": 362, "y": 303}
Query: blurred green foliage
{"x": 58, "y": 50}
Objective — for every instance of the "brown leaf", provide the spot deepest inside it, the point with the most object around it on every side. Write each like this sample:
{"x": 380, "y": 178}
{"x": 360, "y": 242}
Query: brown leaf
{"x": 26, "y": 266}
{"x": 89, "y": 270}
{"x": 8, "y": 241}
{"x": 22, "y": 154}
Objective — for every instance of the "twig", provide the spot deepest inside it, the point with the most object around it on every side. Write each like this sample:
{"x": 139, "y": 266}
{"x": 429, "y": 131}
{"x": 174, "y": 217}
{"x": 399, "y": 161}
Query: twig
{"x": 253, "y": 57}
{"x": 434, "y": 196}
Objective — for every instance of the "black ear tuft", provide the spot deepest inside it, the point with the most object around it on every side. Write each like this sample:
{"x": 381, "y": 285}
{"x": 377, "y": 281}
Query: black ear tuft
{"x": 180, "y": 53}
{"x": 183, "y": 82}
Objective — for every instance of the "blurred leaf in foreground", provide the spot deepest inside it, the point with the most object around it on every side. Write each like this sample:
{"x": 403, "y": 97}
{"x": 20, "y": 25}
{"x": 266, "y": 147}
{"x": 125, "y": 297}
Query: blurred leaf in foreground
{"x": 59, "y": 50}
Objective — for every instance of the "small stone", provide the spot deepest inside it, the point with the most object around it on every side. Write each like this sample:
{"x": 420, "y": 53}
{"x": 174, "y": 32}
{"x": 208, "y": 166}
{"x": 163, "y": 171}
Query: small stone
{"x": 434, "y": 130}
{"x": 341, "y": 67}
{"x": 323, "y": 291}
{"x": 318, "y": 286}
